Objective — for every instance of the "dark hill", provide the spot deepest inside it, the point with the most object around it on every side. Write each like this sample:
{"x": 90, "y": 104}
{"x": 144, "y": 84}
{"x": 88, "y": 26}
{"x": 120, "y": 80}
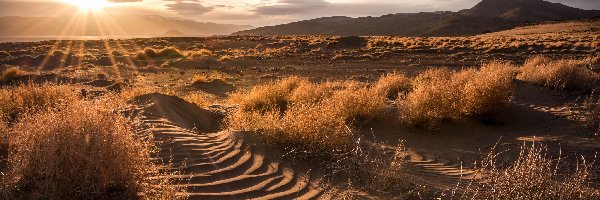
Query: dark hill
{"x": 486, "y": 16}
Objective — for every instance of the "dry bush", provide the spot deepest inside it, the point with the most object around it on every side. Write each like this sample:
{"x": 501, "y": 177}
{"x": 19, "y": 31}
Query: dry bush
{"x": 199, "y": 99}
{"x": 533, "y": 175}
{"x": 565, "y": 74}
{"x": 200, "y": 79}
{"x": 11, "y": 74}
{"x": 432, "y": 100}
{"x": 391, "y": 85}
{"x": 207, "y": 78}
{"x": 306, "y": 116}
{"x": 269, "y": 96}
{"x": 318, "y": 125}
{"x": 440, "y": 94}
{"x": 32, "y": 98}
{"x": 200, "y": 54}
{"x": 487, "y": 90}
{"x": 167, "y": 52}
{"x": 81, "y": 152}
{"x": 591, "y": 113}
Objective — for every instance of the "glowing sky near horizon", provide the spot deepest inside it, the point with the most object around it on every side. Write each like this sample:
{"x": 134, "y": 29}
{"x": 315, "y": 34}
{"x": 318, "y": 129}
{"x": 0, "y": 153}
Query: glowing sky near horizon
{"x": 250, "y": 12}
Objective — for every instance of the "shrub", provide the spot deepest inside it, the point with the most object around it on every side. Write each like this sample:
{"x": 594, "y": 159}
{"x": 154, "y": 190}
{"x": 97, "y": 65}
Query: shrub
{"x": 488, "y": 90}
{"x": 393, "y": 84}
{"x": 80, "y": 152}
{"x": 432, "y": 100}
{"x": 165, "y": 53}
{"x": 307, "y": 117}
{"x": 3, "y": 130}
{"x": 269, "y": 96}
{"x": 197, "y": 98}
{"x": 440, "y": 94}
{"x": 533, "y": 175}
{"x": 591, "y": 113}
{"x": 11, "y": 74}
{"x": 33, "y": 98}
{"x": 565, "y": 74}
{"x": 200, "y": 54}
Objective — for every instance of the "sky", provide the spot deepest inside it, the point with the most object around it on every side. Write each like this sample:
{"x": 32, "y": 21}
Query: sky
{"x": 247, "y": 12}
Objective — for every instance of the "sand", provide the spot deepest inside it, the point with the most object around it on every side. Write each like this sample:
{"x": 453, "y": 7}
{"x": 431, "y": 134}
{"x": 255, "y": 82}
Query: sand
{"x": 219, "y": 165}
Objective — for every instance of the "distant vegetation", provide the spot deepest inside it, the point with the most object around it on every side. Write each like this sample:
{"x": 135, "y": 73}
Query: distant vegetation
{"x": 565, "y": 74}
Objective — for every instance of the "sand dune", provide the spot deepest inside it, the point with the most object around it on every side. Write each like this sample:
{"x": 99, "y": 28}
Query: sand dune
{"x": 221, "y": 165}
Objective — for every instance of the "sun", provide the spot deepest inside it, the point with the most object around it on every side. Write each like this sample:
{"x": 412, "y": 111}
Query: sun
{"x": 89, "y": 4}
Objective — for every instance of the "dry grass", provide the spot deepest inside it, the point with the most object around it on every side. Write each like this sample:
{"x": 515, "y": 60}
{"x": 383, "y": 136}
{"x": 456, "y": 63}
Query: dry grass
{"x": 591, "y": 113}
{"x": 318, "y": 122}
{"x": 63, "y": 147}
{"x": 200, "y": 54}
{"x": 11, "y": 74}
{"x": 269, "y": 96}
{"x": 306, "y": 116}
{"x": 210, "y": 77}
{"x": 167, "y": 52}
{"x": 440, "y": 94}
{"x": 33, "y": 98}
{"x": 564, "y": 74}
{"x": 487, "y": 90}
{"x": 201, "y": 100}
{"x": 533, "y": 175}
{"x": 391, "y": 85}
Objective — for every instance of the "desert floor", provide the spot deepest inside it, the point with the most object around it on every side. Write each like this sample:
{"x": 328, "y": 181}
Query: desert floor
{"x": 220, "y": 163}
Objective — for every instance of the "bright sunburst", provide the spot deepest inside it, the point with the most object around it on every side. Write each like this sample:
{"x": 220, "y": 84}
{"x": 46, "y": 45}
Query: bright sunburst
{"x": 89, "y": 4}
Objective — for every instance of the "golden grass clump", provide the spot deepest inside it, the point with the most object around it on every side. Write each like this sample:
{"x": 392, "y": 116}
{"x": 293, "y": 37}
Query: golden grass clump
{"x": 309, "y": 117}
{"x": 391, "y": 85}
{"x": 533, "y": 175}
{"x": 80, "y": 152}
{"x": 11, "y": 74}
{"x": 167, "y": 52}
{"x": 200, "y": 54}
{"x": 440, "y": 94}
{"x": 564, "y": 74}
{"x": 207, "y": 78}
{"x": 487, "y": 90}
{"x": 270, "y": 96}
{"x": 199, "y": 99}
{"x": 432, "y": 100}
{"x": 591, "y": 113}
{"x": 32, "y": 98}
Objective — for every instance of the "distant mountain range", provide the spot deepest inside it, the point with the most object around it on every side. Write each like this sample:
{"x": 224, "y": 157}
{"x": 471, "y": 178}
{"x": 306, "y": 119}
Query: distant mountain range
{"x": 486, "y": 16}
{"x": 111, "y": 25}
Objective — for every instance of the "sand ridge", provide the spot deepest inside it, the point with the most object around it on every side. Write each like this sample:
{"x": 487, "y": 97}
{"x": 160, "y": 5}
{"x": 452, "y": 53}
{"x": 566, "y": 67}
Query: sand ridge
{"x": 220, "y": 165}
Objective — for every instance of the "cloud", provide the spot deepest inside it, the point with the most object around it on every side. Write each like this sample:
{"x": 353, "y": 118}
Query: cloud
{"x": 288, "y": 7}
{"x": 191, "y": 8}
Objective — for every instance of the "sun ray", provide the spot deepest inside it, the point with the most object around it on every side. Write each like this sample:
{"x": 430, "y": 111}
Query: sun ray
{"x": 108, "y": 19}
{"x": 111, "y": 57}
{"x": 80, "y": 55}
{"x": 132, "y": 42}
{"x": 63, "y": 59}
{"x": 55, "y": 46}
{"x": 63, "y": 11}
